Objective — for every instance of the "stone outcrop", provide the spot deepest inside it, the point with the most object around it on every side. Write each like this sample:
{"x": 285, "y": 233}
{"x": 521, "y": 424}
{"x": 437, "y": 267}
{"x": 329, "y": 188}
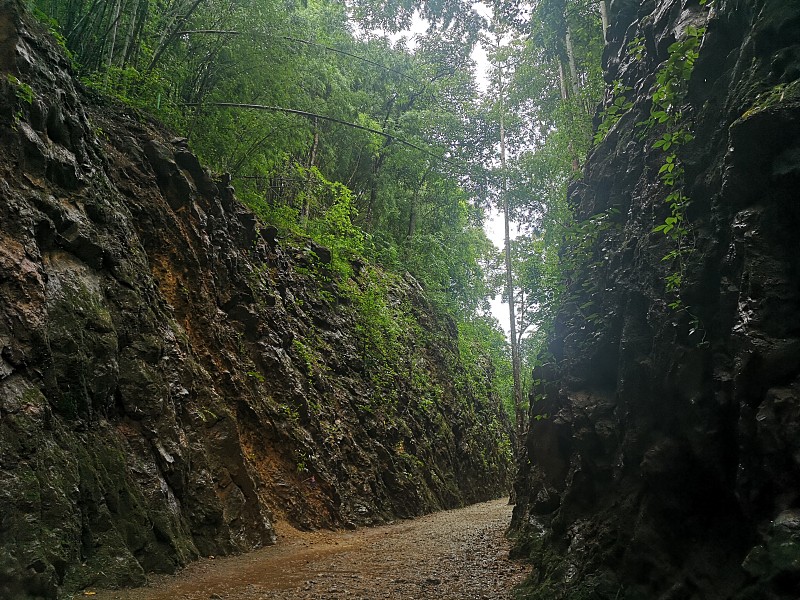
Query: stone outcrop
{"x": 668, "y": 464}
{"x": 173, "y": 377}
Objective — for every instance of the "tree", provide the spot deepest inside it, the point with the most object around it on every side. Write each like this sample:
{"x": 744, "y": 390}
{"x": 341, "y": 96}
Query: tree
{"x": 503, "y": 63}
{"x": 546, "y": 95}
{"x": 324, "y": 123}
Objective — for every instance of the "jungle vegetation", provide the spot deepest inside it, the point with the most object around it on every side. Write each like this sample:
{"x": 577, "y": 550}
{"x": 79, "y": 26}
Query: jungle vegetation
{"x": 334, "y": 122}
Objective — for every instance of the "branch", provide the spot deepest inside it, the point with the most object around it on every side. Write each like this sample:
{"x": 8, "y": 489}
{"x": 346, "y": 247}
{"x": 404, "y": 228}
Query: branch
{"x": 307, "y": 43}
{"x": 168, "y": 37}
{"x": 361, "y": 58}
{"x": 310, "y": 115}
{"x": 220, "y": 31}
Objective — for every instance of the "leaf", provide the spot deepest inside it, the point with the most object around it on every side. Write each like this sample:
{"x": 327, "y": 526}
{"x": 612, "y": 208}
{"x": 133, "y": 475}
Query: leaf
{"x": 671, "y": 255}
{"x": 668, "y": 167}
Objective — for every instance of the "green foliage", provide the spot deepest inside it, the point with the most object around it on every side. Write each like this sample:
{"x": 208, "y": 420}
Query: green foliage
{"x": 146, "y": 91}
{"x": 382, "y": 329}
{"x": 486, "y": 356}
{"x": 775, "y": 95}
{"x": 256, "y": 375}
{"x": 309, "y": 355}
{"x": 54, "y": 29}
{"x": 290, "y": 412}
{"x": 614, "y": 111}
{"x": 22, "y": 90}
{"x": 636, "y": 47}
{"x": 670, "y": 90}
{"x": 587, "y": 253}
{"x": 332, "y": 219}
{"x": 672, "y": 78}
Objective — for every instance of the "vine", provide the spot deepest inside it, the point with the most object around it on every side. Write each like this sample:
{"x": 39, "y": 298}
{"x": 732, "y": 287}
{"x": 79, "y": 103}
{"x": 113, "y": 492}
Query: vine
{"x": 613, "y": 112}
{"x": 671, "y": 87}
{"x": 620, "y": 104}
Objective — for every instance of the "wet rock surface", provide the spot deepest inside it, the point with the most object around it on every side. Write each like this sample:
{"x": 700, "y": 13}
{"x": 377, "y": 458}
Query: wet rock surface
{"x": 668, "y": 466}
{"x": 173, "y": 380}
{"x": 453, "y": 555}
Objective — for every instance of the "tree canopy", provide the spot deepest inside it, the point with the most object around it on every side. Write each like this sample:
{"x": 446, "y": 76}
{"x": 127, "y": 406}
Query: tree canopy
{"x": 334, "y": 124}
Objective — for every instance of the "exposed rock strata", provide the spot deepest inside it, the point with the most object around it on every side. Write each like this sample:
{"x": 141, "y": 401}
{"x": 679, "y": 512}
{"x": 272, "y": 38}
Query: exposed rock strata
{"x": 155, "y": 404}
{"x": 669, "y": 464}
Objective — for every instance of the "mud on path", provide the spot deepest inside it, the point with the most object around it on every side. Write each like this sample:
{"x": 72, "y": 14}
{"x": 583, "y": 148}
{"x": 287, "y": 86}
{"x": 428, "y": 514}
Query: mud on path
{"x": 457, "y": 554}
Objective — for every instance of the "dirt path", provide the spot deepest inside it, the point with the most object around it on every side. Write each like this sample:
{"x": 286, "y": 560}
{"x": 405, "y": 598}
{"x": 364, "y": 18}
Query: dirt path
{"x": 452, "y": 555}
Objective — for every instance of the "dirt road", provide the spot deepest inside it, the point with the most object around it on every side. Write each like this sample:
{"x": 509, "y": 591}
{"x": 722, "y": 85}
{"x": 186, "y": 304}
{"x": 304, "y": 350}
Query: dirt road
{"x": 456, "y": 554}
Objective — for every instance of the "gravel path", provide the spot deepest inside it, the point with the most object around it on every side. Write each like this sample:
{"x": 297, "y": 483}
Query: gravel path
{"x": 452, "y": 555}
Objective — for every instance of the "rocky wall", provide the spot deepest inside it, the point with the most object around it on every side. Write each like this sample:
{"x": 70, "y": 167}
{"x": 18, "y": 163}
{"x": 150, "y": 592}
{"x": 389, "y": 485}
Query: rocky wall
{"x": 173, "y": 377}
{"x": 668, "y": 465}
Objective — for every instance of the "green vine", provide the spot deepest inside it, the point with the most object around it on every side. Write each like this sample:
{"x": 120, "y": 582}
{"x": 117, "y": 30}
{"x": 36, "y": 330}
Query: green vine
{"x": 614, "y": 111}
{"x": 636, "y": 47}
{"x": 620, "y": 104}
{"x": 672, "y": 81}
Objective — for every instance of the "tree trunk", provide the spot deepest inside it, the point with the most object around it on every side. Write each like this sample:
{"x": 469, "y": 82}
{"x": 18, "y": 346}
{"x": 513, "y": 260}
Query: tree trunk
{"x": 604, "y": 18}
{"x": 562, "y": 80}
{"x": 113, "y": 42}
{"x": 138, "y": 18}
{"x": 171, "y": 33}
{"x": 377, "y": 163}
{"x": 312, "y": 159}
{"x": 312, "y": 156}
{"x": 413, "y": 212}
{"x": 515, "y": 358}
{"x": 565, "y": 96}
{"x": 573, "y": 70}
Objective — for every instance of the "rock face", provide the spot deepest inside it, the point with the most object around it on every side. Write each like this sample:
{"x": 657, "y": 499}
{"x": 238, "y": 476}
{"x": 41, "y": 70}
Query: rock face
{"x": 668, "y": 465}
{"x": 172, "y": 377}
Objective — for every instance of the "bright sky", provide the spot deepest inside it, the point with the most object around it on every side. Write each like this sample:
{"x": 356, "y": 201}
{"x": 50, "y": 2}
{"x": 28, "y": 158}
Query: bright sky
{"x": 495, "y": 231}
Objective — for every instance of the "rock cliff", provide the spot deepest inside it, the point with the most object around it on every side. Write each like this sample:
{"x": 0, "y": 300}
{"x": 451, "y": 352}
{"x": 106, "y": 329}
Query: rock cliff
{"x": 173, "y": 377}
{"x": 668, "y": 464}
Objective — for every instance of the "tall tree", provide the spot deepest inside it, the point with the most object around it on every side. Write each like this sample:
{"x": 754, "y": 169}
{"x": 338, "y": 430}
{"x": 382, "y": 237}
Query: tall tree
{"x": 501, "y": 43}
